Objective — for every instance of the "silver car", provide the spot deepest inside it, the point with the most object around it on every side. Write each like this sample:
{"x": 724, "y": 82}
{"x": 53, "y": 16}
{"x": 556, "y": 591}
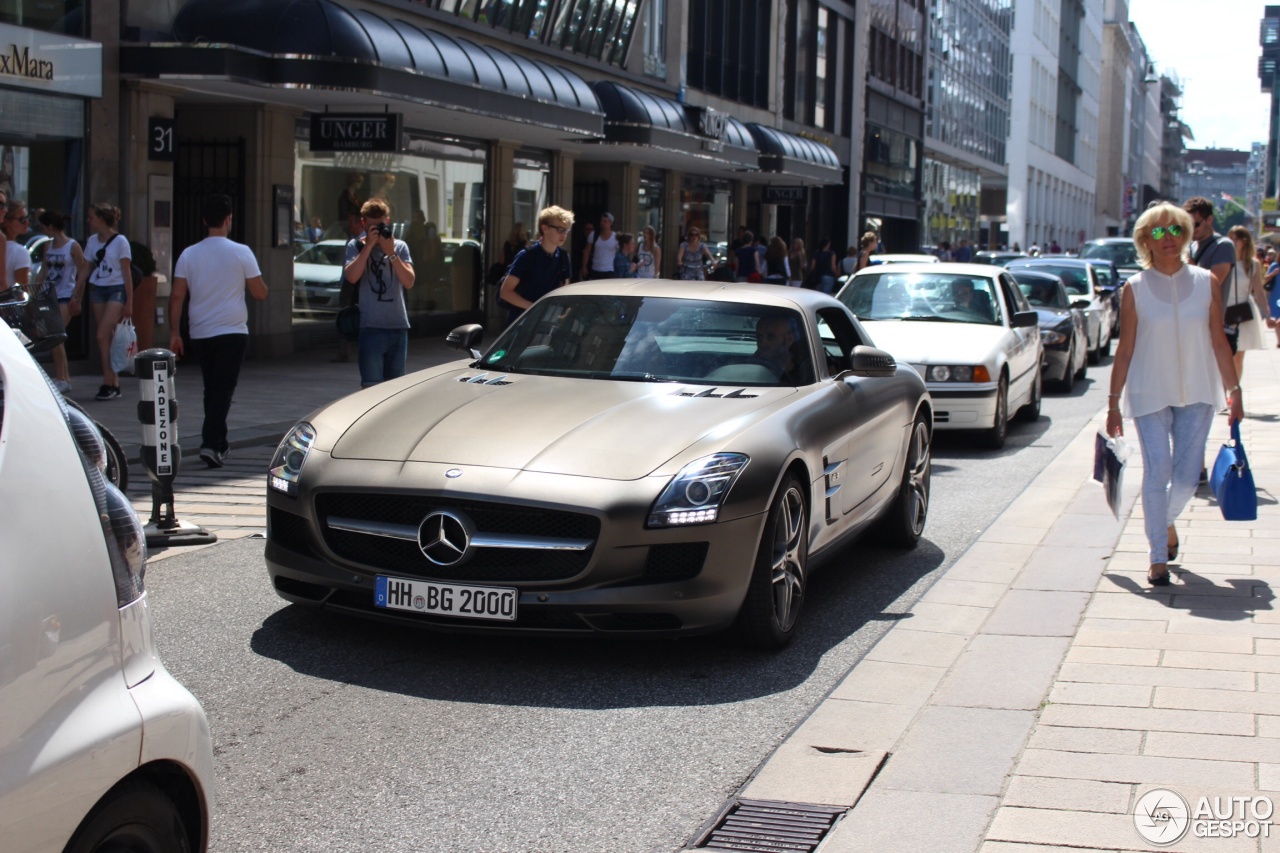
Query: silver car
{"x": 630, "y": 457}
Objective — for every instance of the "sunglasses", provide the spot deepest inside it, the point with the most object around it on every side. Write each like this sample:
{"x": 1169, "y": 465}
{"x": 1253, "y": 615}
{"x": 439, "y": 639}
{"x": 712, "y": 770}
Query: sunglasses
{"x": 1159, "y": 231}
{"x": 22, "y": 219}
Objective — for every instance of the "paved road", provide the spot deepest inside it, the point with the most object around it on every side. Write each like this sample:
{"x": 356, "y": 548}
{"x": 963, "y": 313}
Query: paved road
{"x": 339, "y": 734}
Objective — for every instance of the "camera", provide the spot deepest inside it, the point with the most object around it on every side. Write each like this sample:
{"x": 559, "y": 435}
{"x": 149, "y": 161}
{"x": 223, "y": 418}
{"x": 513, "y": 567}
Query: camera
{"x": 383, "y": 229}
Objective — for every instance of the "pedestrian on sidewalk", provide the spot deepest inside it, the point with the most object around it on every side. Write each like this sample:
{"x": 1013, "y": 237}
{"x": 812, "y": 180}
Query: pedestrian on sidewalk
{"x": 597, "y": 259}
{"x": 1215, "y": 253}
{"x": 62, "y": 260}
{"x": 17, "y": 260}
{"x": 215, "y": 273}
{"x": 1248, "y": 286}
{"x": 540, "y": 267}
{"x": 381, "y": 269}
{"x": 1171, "y": 366}
{"x": 107, "y": 274}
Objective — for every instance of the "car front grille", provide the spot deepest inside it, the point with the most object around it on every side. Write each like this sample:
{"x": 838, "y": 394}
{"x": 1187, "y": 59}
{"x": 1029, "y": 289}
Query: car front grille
{"x": 289, "y": 531}
{"x": 487, "y": 564}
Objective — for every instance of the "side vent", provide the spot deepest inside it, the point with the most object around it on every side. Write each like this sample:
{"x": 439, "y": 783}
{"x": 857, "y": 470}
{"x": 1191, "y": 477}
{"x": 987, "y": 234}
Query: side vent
{"x": 735, "y": 394}
{"x": 485, "y": 379}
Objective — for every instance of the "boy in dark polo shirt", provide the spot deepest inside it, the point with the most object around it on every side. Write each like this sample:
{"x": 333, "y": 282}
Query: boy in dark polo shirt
{"x": 540, "y": 267}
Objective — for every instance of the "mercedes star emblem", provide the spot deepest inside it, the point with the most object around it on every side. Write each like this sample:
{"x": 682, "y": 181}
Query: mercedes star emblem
{"x": 445, "y": 537}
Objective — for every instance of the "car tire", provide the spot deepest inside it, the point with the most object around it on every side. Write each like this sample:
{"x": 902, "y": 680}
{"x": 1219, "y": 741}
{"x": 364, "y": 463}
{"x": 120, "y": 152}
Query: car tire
{"x": 999, "y": 430}
{"x": 775, "y": 593}
{"x": 135, "y": 816}
{"x": 1068, "y": 380}
{"x": 1095, "y": 355}
{"x": 1030, "y": 412}
{"x": 904, "y": 523}
{"x": 1084, "y": 365}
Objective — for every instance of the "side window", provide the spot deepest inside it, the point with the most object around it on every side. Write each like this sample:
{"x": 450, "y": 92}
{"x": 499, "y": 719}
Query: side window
{"x": 838, "y": 338}
{"x": 1013, "y": 294}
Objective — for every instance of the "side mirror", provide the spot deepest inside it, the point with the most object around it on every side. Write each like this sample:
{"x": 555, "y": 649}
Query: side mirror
{"x": 872, "y": 362}
{"x": 1080, "y": 303}
{"x": 1025, "y": 320}
{"x": 466, "y": 337}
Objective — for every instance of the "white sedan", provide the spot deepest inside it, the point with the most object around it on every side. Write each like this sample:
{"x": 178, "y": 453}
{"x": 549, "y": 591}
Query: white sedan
{"x": 967, "y": 329}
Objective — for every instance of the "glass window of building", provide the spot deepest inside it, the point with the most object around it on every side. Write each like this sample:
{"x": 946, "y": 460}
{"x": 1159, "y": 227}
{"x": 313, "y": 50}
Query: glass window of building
{"x": 600, "y": 29}
{"x": 531, "y": 188}
{"x": 812, "y": 30}
{"x": 729, "y": 50}
{"x": 892, "y": 163}
{"x": 706, "y": 204}
{"x": 655, "y": 39}
{"x": 951, "y": 199}
{"x": 436, "y": 192}
{"x": 652, "y": 189}
{"x": 54, "y": 16}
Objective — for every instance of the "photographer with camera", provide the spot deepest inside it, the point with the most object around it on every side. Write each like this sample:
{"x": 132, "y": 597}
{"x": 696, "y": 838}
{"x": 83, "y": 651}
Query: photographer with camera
{"x": 380, "y": 268}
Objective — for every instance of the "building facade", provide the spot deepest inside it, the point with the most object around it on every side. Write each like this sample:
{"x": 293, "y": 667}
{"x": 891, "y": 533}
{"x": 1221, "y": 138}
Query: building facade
{"x": 1219, "y": 174}
{"x": 468, "y": 118}
{"x": 1269, "y": 77}
{"x": 1053, "y": 142}
{"x": 967, "y": 122}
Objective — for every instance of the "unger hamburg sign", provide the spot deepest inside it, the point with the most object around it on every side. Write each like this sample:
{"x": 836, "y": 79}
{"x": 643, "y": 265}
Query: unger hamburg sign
{"x": 355, "y": 131}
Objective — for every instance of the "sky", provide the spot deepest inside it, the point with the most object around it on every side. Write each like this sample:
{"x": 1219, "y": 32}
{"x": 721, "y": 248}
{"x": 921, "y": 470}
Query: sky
{"x": 1213, "y": 49}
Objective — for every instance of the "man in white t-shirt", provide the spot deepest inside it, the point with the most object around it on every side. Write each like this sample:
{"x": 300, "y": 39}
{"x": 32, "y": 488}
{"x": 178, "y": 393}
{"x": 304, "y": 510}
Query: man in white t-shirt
{"x": 597, "y": 260}
{"x": 216, "y": 272}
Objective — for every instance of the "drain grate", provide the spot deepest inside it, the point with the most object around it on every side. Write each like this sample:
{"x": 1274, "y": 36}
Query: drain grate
{"x": 771, "y": 826}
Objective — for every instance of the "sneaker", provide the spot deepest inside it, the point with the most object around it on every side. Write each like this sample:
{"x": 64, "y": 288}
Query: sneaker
{"x": 62, "y": 385}
{"x": 212, "y": 458}
{"x": 108, "y": 392}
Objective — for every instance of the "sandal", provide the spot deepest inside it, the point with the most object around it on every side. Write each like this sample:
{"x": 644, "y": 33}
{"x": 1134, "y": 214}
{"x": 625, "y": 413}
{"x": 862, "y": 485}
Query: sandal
{"x": 1173, "y": 547}
{"x": 1158, "y": 578}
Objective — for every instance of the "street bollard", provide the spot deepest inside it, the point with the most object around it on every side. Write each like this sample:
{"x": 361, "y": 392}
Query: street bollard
{"x": 161, "y": 453}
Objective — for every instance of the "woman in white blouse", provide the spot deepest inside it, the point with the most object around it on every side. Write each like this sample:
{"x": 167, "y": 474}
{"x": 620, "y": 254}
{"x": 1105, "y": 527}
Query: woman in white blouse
{"x": 1247, "y": 286}
{"x": 1171, "y": 368}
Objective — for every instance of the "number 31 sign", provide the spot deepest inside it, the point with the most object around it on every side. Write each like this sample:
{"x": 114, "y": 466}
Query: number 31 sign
{"x": 160, "y": 144}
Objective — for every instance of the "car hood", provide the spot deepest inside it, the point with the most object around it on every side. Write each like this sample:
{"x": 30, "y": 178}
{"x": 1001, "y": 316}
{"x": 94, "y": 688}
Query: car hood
{"x": 1050, "y": 317}
{"x": 924, "y": 342}
{"x": 577, "y": 427}
{"x": 317, "y": 273}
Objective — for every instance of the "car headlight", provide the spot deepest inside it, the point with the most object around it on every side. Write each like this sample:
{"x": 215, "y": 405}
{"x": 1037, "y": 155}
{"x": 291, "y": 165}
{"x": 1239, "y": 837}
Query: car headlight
{"x": 957, "y": 373}
{"x": 286, "y": 465}
{"x": 1049, "y": 336}
{"x": 694, "y": 496}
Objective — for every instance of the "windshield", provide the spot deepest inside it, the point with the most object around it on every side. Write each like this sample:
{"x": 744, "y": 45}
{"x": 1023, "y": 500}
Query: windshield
{"x": 326, "y": 254}
{"x": 1121, "y": 254}
{"x": 656, "y": 339}
{"x": 922, "y": 296}
{"x": 1076, "y": 278}
{"x": 1041, "y": 293}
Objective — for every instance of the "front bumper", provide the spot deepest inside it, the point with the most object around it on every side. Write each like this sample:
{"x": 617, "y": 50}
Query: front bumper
{"x": 631, "y": 580}
{"x": 957, "y": 406}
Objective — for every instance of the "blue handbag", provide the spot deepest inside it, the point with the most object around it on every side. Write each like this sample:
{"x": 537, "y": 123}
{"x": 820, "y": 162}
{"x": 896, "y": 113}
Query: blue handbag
{"x": 1232, "y": 481}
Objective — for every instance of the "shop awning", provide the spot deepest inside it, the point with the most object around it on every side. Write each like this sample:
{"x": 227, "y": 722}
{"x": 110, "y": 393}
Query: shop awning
{"x": 317, "y": 54}
{"x": 674, "y": 135}
{"x": 794, "y": 156}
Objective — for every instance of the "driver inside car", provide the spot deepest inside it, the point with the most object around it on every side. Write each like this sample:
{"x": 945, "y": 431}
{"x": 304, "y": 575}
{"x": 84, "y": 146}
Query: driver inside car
{"x": 775, "y": 346}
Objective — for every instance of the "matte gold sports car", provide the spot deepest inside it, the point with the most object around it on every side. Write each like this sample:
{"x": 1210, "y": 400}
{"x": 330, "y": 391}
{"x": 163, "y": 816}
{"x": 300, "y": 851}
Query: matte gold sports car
{"x": 629, "y": 457}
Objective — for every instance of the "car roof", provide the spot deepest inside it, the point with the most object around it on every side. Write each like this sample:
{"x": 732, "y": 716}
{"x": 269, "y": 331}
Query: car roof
{"x": 1053, "y": 259}
{"x": 1034, "y": 275}
{"x": 1111, "y": 240}
{"x": 982, "y": 270}
{"x": 713, "y": 291}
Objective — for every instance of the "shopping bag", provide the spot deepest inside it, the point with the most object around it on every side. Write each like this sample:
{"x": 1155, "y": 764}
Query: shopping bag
{"x": 1110, "y": 455}
{"x": 124, "y": 346}
{"x": 1232, "y": 481}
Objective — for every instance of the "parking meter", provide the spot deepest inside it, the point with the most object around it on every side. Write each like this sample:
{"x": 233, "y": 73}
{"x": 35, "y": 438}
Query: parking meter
{"x": 161, "y": 453}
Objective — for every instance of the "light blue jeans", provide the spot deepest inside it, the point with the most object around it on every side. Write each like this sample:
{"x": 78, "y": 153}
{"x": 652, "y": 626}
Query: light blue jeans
{"x": 1173, "y": 441}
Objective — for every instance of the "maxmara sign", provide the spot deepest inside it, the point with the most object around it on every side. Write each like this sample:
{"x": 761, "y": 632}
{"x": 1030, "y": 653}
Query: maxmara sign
{"x": 48, "y": 62}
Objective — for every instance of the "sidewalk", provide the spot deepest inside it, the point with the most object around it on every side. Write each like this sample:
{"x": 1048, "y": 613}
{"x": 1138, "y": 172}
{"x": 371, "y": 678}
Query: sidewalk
{"x": 1041, "y": 687}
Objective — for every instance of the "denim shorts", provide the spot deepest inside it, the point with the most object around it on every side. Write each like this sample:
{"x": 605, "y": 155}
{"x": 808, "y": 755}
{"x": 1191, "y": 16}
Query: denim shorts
{"x": 100, "y": 295}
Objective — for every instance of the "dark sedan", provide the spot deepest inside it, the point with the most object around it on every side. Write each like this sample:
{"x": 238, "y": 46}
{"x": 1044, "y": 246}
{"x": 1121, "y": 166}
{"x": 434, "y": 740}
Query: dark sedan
{"x": 1062, "y": 328}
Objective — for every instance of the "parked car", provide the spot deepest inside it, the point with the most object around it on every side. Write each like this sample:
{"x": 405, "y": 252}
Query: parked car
{"x": 1062, "y": 327}
{"x": 1079, "y": 275}
{"x": 317, "y": 277}
{"x": 997, "y": 258}
{"x": 508, "y": 492}
{"x": 1119, "y": 250}
{"x": 103, "y": 749}
{"x": 1109, "y": 281}
{"x": 969, "y": 332}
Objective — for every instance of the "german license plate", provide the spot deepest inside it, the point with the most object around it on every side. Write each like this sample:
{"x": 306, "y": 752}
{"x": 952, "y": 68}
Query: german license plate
{"x": 445, "y": 599}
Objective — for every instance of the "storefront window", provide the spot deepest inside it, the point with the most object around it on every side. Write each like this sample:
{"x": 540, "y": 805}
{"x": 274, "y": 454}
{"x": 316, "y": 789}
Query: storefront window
{"x": 436, "y": 194}
{"x": 951, "y": 196}
{"x": 652, "y": 189}
{"x": 42, "y": 159}
{"x": 706, "y": 203}
{"x": 531, "y": 182}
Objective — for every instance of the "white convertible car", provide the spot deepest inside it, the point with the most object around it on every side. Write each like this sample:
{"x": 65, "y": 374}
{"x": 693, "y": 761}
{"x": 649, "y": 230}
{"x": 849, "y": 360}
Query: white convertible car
{"x": 968, "y": 330}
